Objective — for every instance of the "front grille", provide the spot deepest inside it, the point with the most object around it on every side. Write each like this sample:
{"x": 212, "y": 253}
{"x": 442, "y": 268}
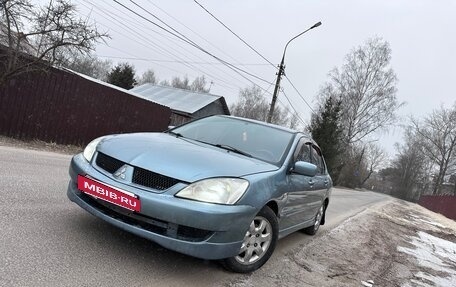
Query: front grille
{"x": 108, "y": 163}
{"x": 140, "y": 176}
{"x": 148, "y": 223}
{"x": 153, "y": 180}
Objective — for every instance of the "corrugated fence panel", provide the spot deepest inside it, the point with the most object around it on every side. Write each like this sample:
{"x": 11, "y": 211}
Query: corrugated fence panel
{"x": 443, "y": 204}
{"x": 62, "y": 107}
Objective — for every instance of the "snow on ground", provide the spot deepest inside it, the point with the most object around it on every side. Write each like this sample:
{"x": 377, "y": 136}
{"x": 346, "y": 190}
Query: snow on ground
{"x": 391, "y": 244}
{"x": 436, "y": 254}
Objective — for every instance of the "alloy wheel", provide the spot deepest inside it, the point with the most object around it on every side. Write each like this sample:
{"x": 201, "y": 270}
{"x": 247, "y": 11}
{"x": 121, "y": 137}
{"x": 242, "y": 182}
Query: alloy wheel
{"x": 318, "y": 218}
{"x": 256, "y": 241}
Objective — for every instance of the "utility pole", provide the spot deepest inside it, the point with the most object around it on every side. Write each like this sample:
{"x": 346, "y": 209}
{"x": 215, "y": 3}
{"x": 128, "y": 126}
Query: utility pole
{"x": 276, "y": 89}
{"x": 282, "y": 72}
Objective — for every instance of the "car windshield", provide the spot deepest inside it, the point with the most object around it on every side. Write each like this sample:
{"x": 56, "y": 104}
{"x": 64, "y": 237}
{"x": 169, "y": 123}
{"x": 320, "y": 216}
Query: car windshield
{"x": 244, "y": 137}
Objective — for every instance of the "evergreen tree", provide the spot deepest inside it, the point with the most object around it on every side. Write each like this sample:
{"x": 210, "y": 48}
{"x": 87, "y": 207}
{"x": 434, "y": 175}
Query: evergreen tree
{"x": 122, "y": 75}
{"x": 327, "y": 132}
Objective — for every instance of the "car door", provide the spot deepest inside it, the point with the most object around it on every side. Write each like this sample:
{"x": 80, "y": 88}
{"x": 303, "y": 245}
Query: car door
{"x": 321, "y": 179}
{"x": 300, "y": 189}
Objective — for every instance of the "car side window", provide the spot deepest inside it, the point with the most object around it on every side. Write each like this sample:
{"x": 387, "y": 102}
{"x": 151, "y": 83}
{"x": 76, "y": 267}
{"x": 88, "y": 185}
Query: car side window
{"x": 318, "y": 160}
{"x": 304, "y": 153}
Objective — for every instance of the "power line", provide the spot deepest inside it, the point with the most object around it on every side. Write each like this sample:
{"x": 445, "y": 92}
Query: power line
{"x": 243, "y": 41}
{"x": 133, "y": 31}
{"x": 187, "y": 40}
{"x": 176, "y": 61}
{"x": 297, "y": 91}
{"x": 227, "y": 86}
{"x": 171, "y": 47}
{"x": 171, "y": 69}
{"x": 229, "y": 65}
{"x": 194, "y": 32}
{"x": 284, "y": 106}
{"x": 258, "y": 53}
{"x": 291, "y": 105}
{"x": 203, "y": 38}
{"x": 267, "y": 90}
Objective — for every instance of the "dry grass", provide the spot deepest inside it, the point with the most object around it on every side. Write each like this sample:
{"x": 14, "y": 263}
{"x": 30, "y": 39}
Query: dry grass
{"x": 40, "y": 145}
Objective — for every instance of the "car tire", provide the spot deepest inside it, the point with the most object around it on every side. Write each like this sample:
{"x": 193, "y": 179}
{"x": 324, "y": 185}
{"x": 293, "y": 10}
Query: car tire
{"x": 259, "y": 243}
{"x": 312, "y": 230}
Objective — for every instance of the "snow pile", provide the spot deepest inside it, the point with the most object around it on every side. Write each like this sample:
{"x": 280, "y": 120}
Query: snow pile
{"x": 433, "y": 254}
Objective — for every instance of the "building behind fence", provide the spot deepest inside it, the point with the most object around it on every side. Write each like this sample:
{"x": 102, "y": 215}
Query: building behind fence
{"x": 443, "y": 204}
{"x": 68, "y": 108}
{"x": 185, "y": 105}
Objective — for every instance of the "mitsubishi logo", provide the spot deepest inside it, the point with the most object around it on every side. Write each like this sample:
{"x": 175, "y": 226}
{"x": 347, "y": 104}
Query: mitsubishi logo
{"x": 120, "y": 173}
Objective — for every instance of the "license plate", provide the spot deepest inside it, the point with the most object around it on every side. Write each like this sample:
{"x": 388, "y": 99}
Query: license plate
{"x": 110, "y": 194}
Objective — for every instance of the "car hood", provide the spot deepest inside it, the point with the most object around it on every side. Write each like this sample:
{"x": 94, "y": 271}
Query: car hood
{"x": 179, "y": 157}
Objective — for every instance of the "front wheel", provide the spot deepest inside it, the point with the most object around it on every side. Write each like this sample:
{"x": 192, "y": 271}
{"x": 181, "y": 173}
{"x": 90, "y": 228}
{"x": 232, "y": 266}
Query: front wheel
{"x": 258, "y": 245}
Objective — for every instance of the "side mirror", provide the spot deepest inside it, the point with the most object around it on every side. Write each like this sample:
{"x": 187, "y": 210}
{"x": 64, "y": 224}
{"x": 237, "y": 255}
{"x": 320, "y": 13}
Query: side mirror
{"x": 305, "y": 168}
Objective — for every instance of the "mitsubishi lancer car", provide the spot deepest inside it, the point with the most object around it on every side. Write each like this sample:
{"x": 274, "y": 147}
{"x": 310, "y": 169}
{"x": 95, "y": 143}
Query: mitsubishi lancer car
{"x": 219, "y": 188}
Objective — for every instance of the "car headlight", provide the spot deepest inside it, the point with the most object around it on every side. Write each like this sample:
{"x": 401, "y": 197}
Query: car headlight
{"x": 216, "y": 190}
{"x": 92, "y": 147}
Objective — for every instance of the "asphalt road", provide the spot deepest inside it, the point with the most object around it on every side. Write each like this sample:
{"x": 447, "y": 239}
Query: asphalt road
{"x": 45, "y": 240}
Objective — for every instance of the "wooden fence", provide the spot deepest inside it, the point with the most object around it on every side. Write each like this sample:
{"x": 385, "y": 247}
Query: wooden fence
{"x": 443, "y": 204}
{"x": 63, "y": 107}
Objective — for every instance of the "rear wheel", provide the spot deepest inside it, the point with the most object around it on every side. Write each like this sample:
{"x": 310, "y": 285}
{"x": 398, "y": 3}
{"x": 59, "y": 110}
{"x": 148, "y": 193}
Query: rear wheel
{"x": 258, "y": 245}
{"x": 312, "y": 230}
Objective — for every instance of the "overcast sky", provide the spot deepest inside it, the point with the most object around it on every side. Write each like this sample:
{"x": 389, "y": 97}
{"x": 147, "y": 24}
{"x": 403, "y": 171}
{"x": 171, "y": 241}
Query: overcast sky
{"x": 421, "y": 34}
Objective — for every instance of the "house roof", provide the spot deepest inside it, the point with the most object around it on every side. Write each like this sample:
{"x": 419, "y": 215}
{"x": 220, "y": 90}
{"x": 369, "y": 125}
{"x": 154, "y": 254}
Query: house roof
{"x": 178, "y": 100}
{"x": 100, "y": 82}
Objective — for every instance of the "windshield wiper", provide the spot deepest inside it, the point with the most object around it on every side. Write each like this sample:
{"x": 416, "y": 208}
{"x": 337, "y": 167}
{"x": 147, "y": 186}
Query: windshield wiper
{"x": 178, "y": 135}
{"x": 233, "y": 149}
{"x": 223, "y": 146}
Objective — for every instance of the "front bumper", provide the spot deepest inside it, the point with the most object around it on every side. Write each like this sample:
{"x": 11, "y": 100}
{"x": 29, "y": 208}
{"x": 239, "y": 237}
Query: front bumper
{"x": 218, "y": 230}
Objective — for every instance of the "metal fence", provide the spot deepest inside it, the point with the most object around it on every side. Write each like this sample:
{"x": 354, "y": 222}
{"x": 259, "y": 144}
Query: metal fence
{"x": 443, "y": 204}
{"x": 63, "y": 107}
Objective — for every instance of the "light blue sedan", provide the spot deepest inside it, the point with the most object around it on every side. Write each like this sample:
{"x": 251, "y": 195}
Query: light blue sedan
{"x": 220, "y": 187}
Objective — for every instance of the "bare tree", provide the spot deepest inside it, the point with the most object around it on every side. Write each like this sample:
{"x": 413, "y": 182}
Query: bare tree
{"x": 453, "y": 181}
{"x": 179, "y": 83}
{"x": 375, "y": 157}
{"x": 253, "y": 105}
{"x": 165, "y": 83}
{"x": 199, "y": 85}
{"x": 366, "y": 86}
{"x": 437, "y": 134}
{"x": 294, "y": 121}
{"x": 410, "y": 170}
{"x": 89, "y": 65}
{"x": 37, "y": 37}
{"x": 148, "y": 77}
{"x": 354, "y": 166}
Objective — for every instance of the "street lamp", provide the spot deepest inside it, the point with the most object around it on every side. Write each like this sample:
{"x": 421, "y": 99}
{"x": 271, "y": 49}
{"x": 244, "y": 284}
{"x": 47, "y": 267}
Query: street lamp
{"x": 281, "y": 72}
